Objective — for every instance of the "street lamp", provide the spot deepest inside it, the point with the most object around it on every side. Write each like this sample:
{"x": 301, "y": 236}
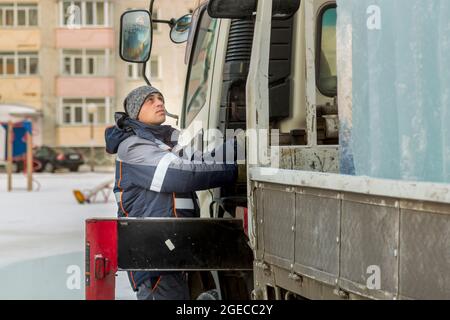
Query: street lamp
{"x": 92, "y": 109}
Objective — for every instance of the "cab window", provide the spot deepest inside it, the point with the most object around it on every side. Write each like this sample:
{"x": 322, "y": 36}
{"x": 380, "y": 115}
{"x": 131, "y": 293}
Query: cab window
{"x": 326, "y": 59}
{"x": 199, "y": 67}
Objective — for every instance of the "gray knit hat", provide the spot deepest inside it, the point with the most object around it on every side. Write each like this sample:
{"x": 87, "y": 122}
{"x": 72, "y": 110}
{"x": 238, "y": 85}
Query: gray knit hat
{"x": 136, "y": 98}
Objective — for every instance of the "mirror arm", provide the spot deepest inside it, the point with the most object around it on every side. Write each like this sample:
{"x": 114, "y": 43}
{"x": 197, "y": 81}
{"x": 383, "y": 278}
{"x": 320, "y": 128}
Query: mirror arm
{"x": 170, "y": 22}
{"x": 173, "y": 116}
{"x": 151, "y": 6}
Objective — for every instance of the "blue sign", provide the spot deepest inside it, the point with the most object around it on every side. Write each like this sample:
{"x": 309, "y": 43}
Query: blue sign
{"x": 19, "y": 138}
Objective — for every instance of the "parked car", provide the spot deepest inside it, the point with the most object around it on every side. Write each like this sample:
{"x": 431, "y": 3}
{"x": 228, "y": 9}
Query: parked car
{"x": 46, "y": 159}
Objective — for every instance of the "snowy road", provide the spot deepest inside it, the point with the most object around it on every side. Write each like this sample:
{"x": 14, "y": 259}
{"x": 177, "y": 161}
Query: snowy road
{"x": 42, "y": 237}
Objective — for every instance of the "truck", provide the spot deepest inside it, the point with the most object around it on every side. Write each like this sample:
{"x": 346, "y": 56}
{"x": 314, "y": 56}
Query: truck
{"x": 345, "y": 187}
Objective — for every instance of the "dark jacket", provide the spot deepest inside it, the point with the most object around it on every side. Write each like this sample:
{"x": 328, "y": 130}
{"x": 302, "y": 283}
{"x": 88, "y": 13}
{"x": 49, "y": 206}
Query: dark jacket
{"x": 155, "y": 178}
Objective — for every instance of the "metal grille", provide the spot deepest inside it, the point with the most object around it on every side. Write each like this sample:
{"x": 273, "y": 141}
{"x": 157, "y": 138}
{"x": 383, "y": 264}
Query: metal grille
{"x": 240, "y": 41}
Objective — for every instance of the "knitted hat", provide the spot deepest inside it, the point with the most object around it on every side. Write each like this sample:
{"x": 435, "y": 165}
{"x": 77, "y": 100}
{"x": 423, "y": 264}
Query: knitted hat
{"x": 136, "y": 98}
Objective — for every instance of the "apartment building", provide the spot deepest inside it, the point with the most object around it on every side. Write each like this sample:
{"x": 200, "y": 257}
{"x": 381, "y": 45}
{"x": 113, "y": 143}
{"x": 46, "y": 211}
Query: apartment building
{"x": 60, "y": 66}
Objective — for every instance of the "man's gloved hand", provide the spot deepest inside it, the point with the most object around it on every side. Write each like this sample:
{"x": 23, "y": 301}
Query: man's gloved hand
{"x": 232, "y": 152}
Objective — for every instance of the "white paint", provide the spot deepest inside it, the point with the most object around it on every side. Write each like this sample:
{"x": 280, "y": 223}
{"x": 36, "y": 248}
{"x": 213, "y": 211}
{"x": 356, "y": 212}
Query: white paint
{"x": 420, "y": 191}
{"x": 170, "y": 245}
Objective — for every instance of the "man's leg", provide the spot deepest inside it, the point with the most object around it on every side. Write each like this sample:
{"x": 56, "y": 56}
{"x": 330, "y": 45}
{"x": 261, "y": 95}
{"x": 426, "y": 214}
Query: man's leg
{"x": 166, "y": 287}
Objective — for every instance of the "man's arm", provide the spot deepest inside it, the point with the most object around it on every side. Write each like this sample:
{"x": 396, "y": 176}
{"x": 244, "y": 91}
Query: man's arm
{"x": 152, "y": 168}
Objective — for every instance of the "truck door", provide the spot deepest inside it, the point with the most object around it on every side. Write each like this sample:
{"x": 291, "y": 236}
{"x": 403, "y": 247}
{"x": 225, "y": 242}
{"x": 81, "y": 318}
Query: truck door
{"x": 316, "y": 79}
{"x": 309, "y": 138}
{"x": 201, "y": 52}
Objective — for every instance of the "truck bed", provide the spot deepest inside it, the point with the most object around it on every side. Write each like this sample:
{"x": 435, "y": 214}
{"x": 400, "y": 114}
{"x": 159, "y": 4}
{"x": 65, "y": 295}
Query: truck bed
{"x": 326, "y": 236}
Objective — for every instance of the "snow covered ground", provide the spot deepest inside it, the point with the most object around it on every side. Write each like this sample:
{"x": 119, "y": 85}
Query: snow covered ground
{"x": 42, "y": 237}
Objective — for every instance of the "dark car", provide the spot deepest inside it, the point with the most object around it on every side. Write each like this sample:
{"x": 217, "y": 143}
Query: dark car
{"x": 46, "y": 159}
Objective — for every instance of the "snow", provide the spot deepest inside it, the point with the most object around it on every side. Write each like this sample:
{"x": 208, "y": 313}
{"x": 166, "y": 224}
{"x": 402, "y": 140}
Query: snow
{"x": 42, "y": 236}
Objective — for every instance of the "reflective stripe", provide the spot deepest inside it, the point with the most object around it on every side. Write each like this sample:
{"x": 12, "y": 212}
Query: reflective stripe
{"x": 186, "y": 204}
{"x": 117, "y": 195}
{"x": 161, "y": 171}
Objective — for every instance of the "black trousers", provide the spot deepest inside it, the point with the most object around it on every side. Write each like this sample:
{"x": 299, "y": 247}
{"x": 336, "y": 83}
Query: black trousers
{"x": 166, "y": 287}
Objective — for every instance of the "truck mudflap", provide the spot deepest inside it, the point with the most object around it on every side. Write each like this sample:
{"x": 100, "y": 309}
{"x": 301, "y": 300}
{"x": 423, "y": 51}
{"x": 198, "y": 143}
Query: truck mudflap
{"x": 182, "y": 244}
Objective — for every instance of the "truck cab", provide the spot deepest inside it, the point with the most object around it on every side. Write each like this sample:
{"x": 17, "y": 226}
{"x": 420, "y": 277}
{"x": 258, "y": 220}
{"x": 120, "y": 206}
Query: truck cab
{"x": 302, "y": 87}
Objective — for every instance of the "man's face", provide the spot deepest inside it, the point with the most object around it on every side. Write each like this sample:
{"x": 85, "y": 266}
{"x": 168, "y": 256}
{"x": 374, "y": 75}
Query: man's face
{"x": 153, "y": 111}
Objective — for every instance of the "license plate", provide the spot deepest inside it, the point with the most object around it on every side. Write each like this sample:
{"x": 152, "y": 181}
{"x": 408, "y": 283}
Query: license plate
{"x": 74, "y": 157}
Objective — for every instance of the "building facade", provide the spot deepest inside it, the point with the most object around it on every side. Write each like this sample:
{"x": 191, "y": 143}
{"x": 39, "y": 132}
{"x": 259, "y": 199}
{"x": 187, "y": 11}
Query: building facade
{"x": 61, "y": 59}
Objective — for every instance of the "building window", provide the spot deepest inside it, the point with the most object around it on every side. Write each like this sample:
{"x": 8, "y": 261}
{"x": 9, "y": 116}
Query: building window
{"x": 88, "y": 13}
{"x": 84, "y": 62}
{"x": 135, "y": 71}
{"x": 19, "y": 63}
{"x": 153, "y": 70}
{"x": 7, "y": 64}
{"x": 76, "y": 111}
{"x": 27, "y": 64}
{"x": 27, "y": 15}
{"x": 18, "y": 14}
{"x": 326, "y": 59}
{"x": 96, "y": 62}
{"x": 95, "y": 13}
{"x": 67, "y": 114}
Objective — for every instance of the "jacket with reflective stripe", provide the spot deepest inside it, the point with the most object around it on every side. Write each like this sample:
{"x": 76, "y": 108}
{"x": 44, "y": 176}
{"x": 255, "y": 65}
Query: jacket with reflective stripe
{"x": 147, "y": 176}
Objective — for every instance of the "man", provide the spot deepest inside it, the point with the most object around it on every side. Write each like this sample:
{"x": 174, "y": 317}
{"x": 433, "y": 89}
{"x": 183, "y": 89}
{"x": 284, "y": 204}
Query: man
{"x": 155, "y": 179}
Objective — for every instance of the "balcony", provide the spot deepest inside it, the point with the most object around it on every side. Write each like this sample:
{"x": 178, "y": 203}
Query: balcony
{"x": 20, "y": 39}
{"x": 87, "y": 38}
{"x": 80, "y": 136}
{"x": 85, "y": 87}
{"x": 23, "y": 91}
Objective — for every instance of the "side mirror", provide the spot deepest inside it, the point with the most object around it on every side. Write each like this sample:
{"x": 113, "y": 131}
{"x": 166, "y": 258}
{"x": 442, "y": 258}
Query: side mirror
{"x": 179, "y": 32}
{"x": 135, "y": 36}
